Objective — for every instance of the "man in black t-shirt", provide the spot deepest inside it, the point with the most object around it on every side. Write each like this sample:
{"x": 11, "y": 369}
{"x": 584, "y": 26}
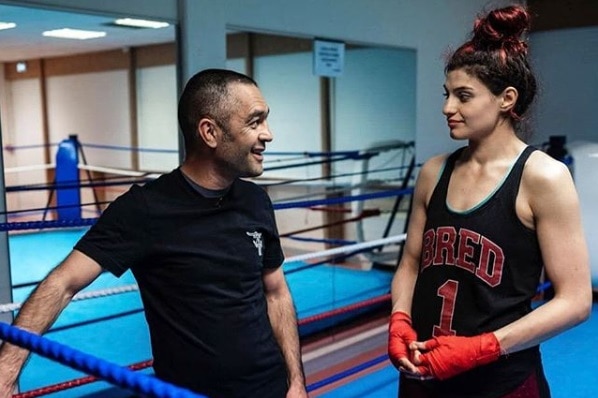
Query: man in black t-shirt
{"x": 203, "y": 246}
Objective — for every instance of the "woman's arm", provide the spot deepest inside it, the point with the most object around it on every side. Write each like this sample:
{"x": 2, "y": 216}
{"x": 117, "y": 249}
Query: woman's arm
{"x": 549, "y": 195}
{"x": 403, "y": 282}
{"x": 401, "y": 333}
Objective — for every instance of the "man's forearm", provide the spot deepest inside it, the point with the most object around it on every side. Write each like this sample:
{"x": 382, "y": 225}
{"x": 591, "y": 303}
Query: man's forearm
{"x": 284, "y": 323}
{"x": 36, "y": 315}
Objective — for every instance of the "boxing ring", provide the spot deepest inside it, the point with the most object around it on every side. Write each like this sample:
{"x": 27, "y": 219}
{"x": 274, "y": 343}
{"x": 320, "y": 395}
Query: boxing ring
{"x": 327, "y": 291}
{"x": 340, "y": 287}
{"x": 87, "y": 325}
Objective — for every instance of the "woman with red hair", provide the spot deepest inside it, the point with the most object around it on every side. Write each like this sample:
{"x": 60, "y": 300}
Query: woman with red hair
{"x": 486, "y": 221}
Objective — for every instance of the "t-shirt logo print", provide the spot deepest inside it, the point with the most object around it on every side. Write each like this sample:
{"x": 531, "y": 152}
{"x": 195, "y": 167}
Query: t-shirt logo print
{"x": 257, "y": 241}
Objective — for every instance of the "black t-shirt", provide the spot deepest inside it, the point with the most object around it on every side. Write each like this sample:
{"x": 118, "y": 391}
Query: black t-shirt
{"x": 198, "y": 262}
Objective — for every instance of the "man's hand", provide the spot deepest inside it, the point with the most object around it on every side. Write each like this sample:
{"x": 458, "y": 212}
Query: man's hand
{"x": 400, "y": 336}
{"x": 296, "y": 390}
{"x": 11, "y": 356}
{"x": 447, "y": 356}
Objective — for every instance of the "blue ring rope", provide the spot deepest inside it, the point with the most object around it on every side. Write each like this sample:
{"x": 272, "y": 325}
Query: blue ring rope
{"x": 337, "y": 242}
{"x": 333, "y": 176}
{"x": 19, "y": 226}
{"x": 326, "y": 160}
{"x": 74, "y": 184}
{"x": 117, "y": 375}
{"x": 30, "y": 146}
{"x": 344, "y": 199}
{"x": 350, "y": 154}
{"x": 313, "y": 154}
{"x": 140, "y": 149}
{"x": 124, "y": 148}
{"x": 281, "y": 206}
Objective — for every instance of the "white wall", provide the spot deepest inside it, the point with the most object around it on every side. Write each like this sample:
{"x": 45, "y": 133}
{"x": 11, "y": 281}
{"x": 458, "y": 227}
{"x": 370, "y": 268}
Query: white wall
{"x": 95, "y": 107}
{"x": 374, "y": 104}
{"x": 23, "y": 132}
{"x": 373, "y": 101}
{"x": 294, "y": 98}
{"x": 157, "y": 99}
{"x": 566, "y": 63}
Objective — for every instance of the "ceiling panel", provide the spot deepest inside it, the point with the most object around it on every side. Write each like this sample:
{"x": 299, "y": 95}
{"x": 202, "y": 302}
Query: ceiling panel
{"x": 26, "y": 41}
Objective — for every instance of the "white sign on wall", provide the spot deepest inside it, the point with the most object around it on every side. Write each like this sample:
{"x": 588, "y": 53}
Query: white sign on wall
{"x": 329, "y": 58}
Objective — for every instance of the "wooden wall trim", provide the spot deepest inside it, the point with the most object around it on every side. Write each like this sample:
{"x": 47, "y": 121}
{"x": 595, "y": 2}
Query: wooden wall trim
{"x": 43, "y": 90}
{"x": 33, "y": 70}
{"x": 87, "y": 63}
{"x": 264, "y": 44}
{"x": 156, "y": 55}
{"x": 133, "y": 114}
{"x": 147, "y": 56}
{"x": 240, "y": 44}
{"x": 237, "y": 45}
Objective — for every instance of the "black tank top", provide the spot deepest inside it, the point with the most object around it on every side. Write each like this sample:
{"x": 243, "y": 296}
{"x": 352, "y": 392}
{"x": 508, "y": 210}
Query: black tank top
{"x": 479, "y": 271}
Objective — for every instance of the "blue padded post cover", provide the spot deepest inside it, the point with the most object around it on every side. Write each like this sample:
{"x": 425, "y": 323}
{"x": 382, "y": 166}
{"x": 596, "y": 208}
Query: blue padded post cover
{"x": 68, "y": 194}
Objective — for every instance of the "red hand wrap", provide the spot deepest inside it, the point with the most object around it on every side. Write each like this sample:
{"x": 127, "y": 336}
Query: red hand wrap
{"x": 448, "y": 356}
{"x": 400, "y": 334}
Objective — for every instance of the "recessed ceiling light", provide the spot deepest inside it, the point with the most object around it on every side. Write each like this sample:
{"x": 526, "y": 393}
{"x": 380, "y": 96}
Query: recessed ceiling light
{"x": 68, "y": 33}
{"x": 140, "y": 23}
{"x": 7, "y": 25}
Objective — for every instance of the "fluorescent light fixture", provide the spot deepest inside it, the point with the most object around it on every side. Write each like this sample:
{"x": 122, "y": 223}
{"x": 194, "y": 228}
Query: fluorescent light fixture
{"x": 7, "y": 25}
{"x": 68, "y": 33}
{"x": 140, "y": 23}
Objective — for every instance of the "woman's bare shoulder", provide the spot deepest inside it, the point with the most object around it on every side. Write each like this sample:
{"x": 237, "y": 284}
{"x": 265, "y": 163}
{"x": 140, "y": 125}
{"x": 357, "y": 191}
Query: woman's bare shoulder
{"x": 429, "y": 174}
{"x": 542, "y": 170}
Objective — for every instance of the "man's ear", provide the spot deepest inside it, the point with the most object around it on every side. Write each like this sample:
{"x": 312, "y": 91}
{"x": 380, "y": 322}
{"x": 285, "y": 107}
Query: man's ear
{"x": 509, "y": 99}
{"x": 206, "y": 131}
